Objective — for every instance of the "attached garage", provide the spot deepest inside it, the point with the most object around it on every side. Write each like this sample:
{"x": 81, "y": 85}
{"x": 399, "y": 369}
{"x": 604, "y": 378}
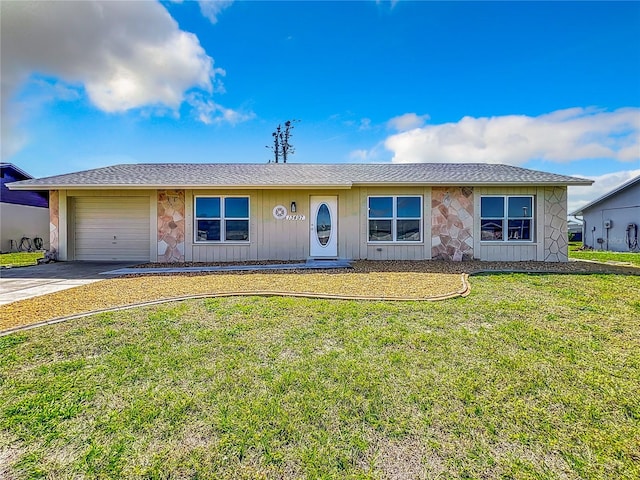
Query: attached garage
{"x": 110, "y": 228}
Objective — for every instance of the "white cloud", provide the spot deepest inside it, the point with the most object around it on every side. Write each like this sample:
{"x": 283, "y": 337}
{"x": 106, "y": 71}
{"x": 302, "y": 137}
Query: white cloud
{"x": 126, "y": 55}
{"x": 376, "y": 154}
{"x": 408, "y": 121}
{"x": 212, "y": 8}
{"x": 560, "y": 136}
{"x": 603, "y": 184}
{"x": 13, "y": 138}
{"x": 233, "y": 117}
{"x": 365, "y": 124}
{"x": 360, "y": 155}
{"x": 208, "y": 111}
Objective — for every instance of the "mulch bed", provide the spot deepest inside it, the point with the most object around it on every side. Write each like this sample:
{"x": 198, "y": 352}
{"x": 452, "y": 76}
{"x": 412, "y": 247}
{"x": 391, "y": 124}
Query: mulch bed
{"x": 427, "y": 266}
{"x": 385, "y": 280}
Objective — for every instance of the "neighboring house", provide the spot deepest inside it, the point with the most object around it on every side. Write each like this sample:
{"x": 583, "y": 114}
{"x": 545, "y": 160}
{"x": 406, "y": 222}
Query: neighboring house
{"x": 22, "y": 213}
{"x": 612, "y": 222}
{"x": 251, "y": 212}
{"x": 575, "y": 230}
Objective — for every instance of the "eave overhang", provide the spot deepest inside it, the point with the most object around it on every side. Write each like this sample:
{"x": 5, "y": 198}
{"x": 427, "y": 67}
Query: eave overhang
{"x": 323, "y": 186}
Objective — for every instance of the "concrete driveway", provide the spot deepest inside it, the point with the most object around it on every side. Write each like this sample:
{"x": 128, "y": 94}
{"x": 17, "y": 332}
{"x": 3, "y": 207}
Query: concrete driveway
{"x": 26, "y": 282}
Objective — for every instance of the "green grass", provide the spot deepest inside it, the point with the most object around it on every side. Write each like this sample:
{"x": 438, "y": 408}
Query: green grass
{"x": 20, "y": 259}
{"x": 603, "y": 256}
{"x": 531, "y": 376}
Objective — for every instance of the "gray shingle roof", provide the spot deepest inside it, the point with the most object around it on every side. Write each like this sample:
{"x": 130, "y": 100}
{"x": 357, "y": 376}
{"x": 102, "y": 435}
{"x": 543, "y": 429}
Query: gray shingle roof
{"x": 297, "y": 175}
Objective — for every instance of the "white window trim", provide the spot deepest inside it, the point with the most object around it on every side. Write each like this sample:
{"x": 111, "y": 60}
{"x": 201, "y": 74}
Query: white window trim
{"x": 394, "y": 220}
{"x": 505, "y": 219}
{"x": 223, "y": 220}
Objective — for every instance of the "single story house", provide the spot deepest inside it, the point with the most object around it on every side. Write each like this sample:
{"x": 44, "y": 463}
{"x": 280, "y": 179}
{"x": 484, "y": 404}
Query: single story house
{"x": 23, "y": 214}
{"x": 611, "y": 222}
{"x": 251, "y": 212}
{"x": 575, "y": 230}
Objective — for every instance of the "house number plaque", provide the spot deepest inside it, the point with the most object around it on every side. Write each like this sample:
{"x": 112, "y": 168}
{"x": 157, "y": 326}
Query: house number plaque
{"x": 280, "y": 213}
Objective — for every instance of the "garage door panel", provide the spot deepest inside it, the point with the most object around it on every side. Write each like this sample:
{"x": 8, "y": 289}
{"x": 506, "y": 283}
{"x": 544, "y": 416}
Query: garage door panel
{"x": 120, "y": 258}
{"x": 109, "y": 255}
{"x": 108, "y": 252}
{"x": 118, "y": 226}
{"x": 94, "y": 236}
{"x": 99, "y": 219}
{"x": 112, "y": 214}
{"x": 88, "y": 215}
{"x": 135, "y": 229}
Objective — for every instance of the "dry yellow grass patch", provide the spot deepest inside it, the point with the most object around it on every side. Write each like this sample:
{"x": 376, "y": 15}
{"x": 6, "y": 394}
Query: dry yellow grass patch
{"x": 120, "y": 292}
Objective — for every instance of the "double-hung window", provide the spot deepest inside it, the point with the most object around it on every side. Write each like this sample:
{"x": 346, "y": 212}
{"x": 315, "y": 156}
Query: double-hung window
{"x": 221, "y": 219}
{"x": 506, "y": 218}
{"x": 395, "y": 219}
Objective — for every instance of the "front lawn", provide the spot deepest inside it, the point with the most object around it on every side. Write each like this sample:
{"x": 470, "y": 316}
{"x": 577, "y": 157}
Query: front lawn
{"x": 604, "y": 256}
{"x": 530, "y": 376}
{"x": 20, "y": 259}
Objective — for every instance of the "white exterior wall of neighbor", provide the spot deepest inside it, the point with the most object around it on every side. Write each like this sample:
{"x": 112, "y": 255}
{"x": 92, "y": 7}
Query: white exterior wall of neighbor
{"x": 171, "y": 230}
{"x": 17, "y": 221}
{"x": 620, "y": 210}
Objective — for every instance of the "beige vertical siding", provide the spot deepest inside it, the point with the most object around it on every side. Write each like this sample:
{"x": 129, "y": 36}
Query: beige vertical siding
{"x": 349, "y": 224}
{"x": 508, "y": 253}
{"x": 271, "y": 239}
{"x": 283, "y": 239}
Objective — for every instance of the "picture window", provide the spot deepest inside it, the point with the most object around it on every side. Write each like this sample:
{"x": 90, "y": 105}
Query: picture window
{"x": 221, "y": 219}
{"x": 395, "y": 219}
{"x": 506, "y": 218}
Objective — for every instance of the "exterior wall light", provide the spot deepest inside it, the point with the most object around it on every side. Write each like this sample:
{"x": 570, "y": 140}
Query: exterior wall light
{"x": 293, "y": 207}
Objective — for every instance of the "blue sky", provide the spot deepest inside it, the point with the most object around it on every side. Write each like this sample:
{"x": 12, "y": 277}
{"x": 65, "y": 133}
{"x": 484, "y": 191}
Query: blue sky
{"x": 550, "y": 86}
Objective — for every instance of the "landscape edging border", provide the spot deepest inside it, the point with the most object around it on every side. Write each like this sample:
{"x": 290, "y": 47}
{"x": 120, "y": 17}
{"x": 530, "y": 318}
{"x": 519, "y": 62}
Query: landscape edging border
{"x": 462, "y": 292}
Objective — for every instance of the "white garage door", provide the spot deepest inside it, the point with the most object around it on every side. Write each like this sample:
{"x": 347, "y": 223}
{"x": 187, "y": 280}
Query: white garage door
{"x": 111, "y": 228}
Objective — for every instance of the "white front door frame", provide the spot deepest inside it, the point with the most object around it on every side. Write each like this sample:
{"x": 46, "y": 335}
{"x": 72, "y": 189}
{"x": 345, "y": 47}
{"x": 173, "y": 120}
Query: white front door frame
{"x": 323, "y": 226}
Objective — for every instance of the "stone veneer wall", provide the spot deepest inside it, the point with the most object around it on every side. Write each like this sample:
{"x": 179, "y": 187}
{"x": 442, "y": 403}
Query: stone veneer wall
{"x": 452, "y": 223}
{"x": 54, "y": 220}
{"x": 171, "y": 225}
{"x": 556, "y": 239}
